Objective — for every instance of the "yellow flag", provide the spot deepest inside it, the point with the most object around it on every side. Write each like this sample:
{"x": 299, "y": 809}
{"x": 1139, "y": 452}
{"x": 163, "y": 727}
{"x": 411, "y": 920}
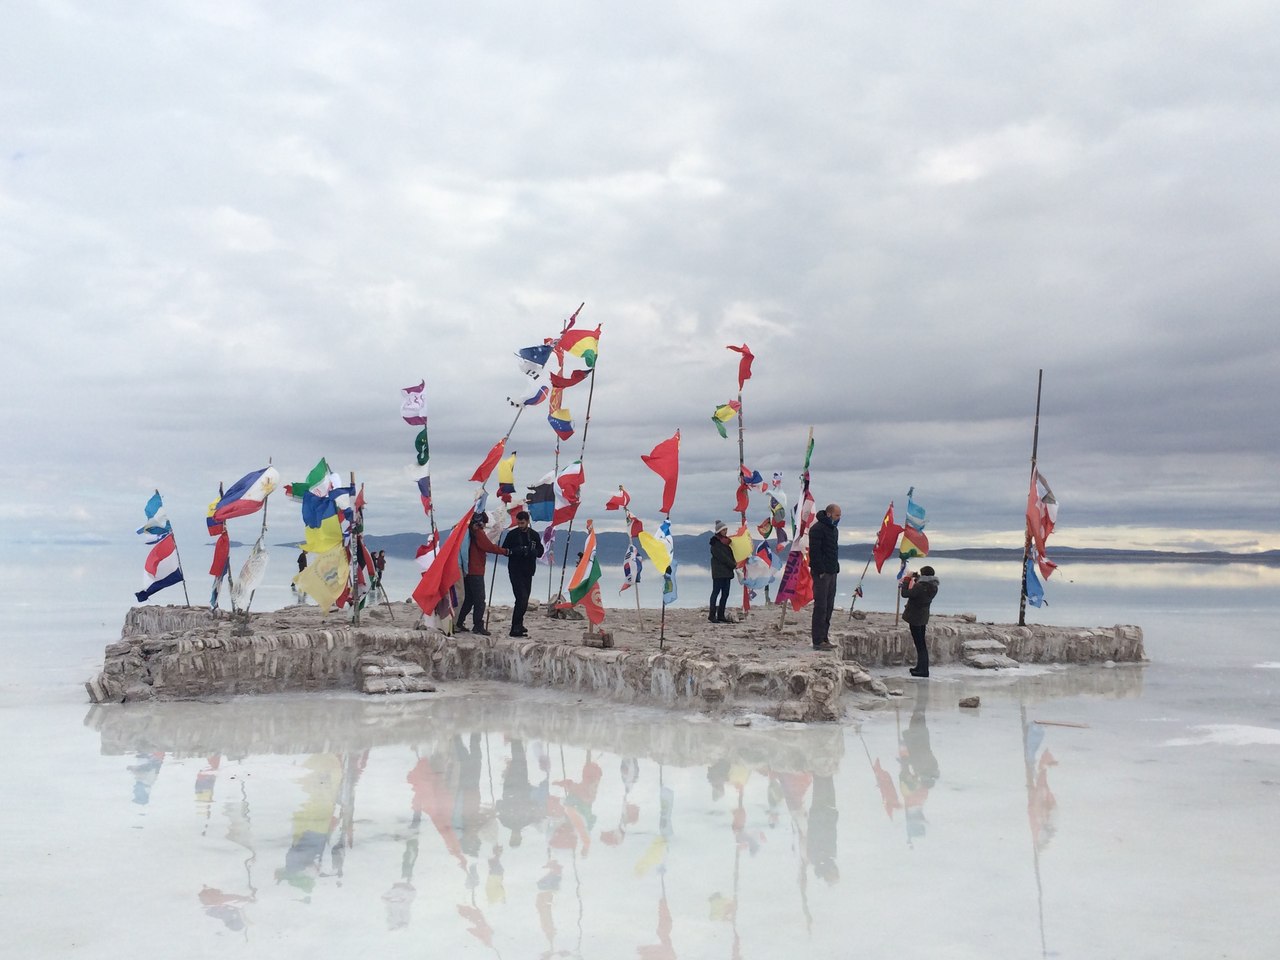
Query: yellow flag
{"x": 656, "y": 550}
{"x": 325, "y": 577}
{"x": 741, "y": 543}
{"x": 325, "y": 537}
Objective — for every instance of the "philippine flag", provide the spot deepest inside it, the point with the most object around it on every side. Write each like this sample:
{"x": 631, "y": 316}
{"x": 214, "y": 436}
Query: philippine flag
{"x": 162, "y": 567}
{"x": 247, "y": 494}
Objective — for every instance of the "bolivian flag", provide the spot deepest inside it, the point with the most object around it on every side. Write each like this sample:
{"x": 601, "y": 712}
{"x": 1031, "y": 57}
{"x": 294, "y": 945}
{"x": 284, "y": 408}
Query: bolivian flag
{"x": 724, "y": 413}
{"x": 581, "y": 343}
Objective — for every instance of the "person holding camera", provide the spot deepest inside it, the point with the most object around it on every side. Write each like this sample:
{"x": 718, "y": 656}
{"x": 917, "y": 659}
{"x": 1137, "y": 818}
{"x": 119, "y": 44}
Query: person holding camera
{"x": 919, "y": 590}
{"x": 524, "y": 547}
{"x": 473, "y": 575}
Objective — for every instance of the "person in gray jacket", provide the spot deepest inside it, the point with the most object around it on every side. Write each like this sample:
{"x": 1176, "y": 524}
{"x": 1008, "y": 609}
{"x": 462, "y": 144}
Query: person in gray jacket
{"x": 919, "y": 589}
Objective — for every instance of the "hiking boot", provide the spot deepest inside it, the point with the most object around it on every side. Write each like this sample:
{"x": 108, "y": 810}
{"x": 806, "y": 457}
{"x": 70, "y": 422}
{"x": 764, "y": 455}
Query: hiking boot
{"x": 825, "y": 645}
{"x": 480, "y": 632}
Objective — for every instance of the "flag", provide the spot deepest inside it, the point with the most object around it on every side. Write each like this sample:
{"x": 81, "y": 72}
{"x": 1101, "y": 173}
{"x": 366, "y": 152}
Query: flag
{"x": 541, "y": 500}
{"x": 530, "y": 397}
{"x": 723, "y": 414}
{"x": 759, "y": 571}
{"x": 157, "y": 523}
{"x": 533, "y": 360}
{"x": 426, "y": 553}
{"x": 631, "y": 568}
{"x": 490, "y": 461}
{"x": 251, "y": 574}
{"x": 216, "y": 527}
{"x": 584, "y": 588}
{"x": 1042, "y": 511}
{"x": 580, "y": 343}
{"x": 568, "y": 490}
{"x": 318, "y": 482}
{"x": 421, "y": 447}
{"x": 915, "y": 513}
{"x": 658, "y": 552}
{"x": 808, "y": 512}
{"x": 620, "y": 501}
{"x": 247, "y": 494}
{"x": 796, "y": 583}
{"x": 887, "y": 538}
{"x": 664, "y": 460}
{"x": 740, "y": 542}
{"x": 1035, "y": 592}
{"x": 507, "y": 478}
{"x": 561, "y": 422}
{"x": 744, "y": 364}
{"x": 413, "y": 405}
{"x": 221, "y": 556}
{"x": 162, "y": 568}
{"x": 326, "y": 577}
{"x": 548, "y": 546}
{"x": 445, "y": 570}
{"x": 913, "y": 544}
{"x": 560, "y": 382}
{"x": 424, "y": 492}
{"x": 669, "y": 593}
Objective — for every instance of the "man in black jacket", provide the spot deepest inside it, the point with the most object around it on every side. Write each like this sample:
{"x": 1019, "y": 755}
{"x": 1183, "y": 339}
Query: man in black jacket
{"x": 824, "y": 564}
{"x": 524, "y": 547}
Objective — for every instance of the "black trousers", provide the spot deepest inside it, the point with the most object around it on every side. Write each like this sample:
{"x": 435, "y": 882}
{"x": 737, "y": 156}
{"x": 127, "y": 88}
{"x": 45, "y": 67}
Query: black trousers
{"x": 521, "y": 587}
{"x": 472, "y": 600}
{"x": 824, "y": 601}
{"x": 922, "y": 648}
{"x": 719, "y": 597}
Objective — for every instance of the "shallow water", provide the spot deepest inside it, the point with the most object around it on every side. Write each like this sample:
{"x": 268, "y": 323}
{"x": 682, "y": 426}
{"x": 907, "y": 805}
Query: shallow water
{"x": 1096, "y": 812}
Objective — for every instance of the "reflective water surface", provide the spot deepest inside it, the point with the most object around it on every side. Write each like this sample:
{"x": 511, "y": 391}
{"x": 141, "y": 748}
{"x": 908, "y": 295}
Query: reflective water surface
{"x": 1099, "y": 812}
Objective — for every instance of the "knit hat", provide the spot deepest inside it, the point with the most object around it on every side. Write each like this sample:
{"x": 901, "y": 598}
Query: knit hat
{"x": 721, "y": 526}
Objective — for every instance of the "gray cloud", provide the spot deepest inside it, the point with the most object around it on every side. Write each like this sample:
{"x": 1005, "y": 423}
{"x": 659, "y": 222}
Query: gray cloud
{"x": 236, "y": 233}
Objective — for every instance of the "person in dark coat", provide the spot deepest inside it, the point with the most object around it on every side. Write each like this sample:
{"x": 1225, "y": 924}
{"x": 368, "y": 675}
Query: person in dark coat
{"x": 824, "y": 564}
{"x": 919, "y": 591}
{"x": 473, "y": 575}
{"x": 524, "y": 547}
{"x": 722, "y": 567}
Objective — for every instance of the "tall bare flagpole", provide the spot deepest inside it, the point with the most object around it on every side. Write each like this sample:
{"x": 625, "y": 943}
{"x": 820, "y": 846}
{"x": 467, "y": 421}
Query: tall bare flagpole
{"x": 1026, "y": 544}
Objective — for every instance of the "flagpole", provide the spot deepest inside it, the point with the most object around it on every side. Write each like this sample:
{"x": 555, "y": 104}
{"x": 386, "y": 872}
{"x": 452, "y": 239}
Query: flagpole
{"x": 551, "y": 567}
{"x": 906, "y": 522}
{"x": 582, "y": 453}
{"x": 185, "y": 595}
{"x": 493, "y": 576}
{"x": 799, "y": 511}
{"x": 1026, "y": 543}
{"x": 856, "y": 589}
{"x": 742, "y": 466}
{"x": 231, "y": 584}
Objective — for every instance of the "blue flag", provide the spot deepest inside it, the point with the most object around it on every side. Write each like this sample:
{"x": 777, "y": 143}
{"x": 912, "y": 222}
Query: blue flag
{"x": 1035, "y": 592}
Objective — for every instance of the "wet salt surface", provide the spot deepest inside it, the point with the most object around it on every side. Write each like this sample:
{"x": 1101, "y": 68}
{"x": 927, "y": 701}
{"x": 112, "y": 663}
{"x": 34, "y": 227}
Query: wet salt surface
{"x": 1092, "y": 812}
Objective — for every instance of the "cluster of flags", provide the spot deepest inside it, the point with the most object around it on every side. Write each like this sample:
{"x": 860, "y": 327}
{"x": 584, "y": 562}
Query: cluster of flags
{"x": 245, "y": 497}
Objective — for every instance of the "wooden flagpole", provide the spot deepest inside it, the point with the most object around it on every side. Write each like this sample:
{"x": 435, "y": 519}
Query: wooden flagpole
{"x": 551, "y": 567}
{"x": 353, "y": 565}
{"x": 742, "y": 465}
{"x": 185, "y": 595}
{"x": 493, "y": 576}
{"x": 231, "y": 585}
{"x": 1026, "y": 544}
{"x": 795, "y": 530}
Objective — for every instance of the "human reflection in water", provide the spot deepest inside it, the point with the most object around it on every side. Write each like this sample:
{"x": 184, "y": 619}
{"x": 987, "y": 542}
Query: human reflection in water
{"x": 629, "y": 769}
{"x": 522, "y": 805}
{"x": 312, "y": 823}
{"x": 467, "y": 815}
{"x": 917, "y": 766}
{"x": 145, "y": 772}
{"x": 821, "y": 841}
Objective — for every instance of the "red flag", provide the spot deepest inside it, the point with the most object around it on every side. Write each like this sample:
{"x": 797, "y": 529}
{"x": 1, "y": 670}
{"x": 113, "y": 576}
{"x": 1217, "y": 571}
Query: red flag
{"x": 664, "y": 460}
{"x": 221, "y": 554}
{"x": 619, "y": 502}
{"x": 887, "y": 539}
{"x": 490, "y": 461}
{"x": 744, "y": 365}
{"x": 560, "y": 382}
{"x": 1042, "y": 511}
{"x": 444, "y": 571}
{"x": 636, "y": 527}
{"x": 740, "y": 505}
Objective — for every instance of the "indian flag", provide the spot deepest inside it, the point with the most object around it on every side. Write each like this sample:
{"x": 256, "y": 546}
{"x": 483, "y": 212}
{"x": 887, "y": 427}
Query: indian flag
{"x": 584, "y": 588}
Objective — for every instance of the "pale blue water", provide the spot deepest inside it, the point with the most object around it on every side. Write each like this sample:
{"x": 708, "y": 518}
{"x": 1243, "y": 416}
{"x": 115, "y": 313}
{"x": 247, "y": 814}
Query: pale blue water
{"x": 343, "y": 825}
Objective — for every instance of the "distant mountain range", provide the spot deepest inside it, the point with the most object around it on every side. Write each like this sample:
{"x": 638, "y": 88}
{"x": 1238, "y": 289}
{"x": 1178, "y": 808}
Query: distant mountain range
{"x": 693, "y": 549}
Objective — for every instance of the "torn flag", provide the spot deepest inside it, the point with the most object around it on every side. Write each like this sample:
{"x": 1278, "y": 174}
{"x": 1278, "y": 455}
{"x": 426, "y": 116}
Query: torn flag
{"x": 664, "y": 460}
{"x": 413, "y": 405}
{"x": 744, "y": 364}
{"x": 162, "y": 567}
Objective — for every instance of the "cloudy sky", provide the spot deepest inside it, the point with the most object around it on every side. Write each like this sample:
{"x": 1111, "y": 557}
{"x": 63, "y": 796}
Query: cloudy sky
{"x": 233, "y": 231}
